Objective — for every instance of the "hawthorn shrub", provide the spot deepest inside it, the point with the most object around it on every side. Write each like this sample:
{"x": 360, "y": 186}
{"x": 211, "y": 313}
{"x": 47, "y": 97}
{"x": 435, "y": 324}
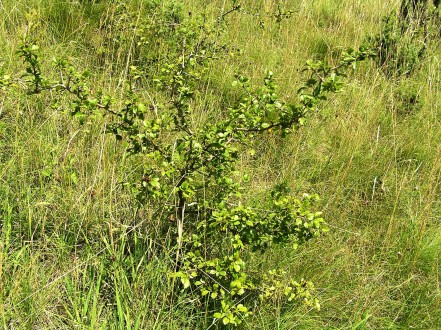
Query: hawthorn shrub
{"x": 189, "y": 169}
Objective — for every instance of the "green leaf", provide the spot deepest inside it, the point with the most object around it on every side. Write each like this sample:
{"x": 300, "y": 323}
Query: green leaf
{"x": 185, "y": 281}
{"x": 242, "y": 308}
{"x": 154, "y": 182}
{"x": 141, "y": 107}
{"x": 74, "y": 178}
{"x": 47, "y": 172}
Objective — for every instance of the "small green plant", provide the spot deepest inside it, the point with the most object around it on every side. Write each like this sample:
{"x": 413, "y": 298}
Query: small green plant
{"x": 190, "y": 169}
{"x": 281, "y": 13}
{"x": 5, "y": 79}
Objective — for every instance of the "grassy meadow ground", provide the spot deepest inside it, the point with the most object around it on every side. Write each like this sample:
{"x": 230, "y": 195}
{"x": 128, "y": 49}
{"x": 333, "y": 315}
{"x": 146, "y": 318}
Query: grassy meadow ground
{"x": 372, "y": 156}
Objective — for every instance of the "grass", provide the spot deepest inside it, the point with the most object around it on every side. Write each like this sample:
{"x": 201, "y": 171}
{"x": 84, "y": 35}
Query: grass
{"x": 76, "y": 253}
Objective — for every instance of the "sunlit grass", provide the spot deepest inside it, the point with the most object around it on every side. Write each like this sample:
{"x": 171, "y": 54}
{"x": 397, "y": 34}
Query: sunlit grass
{"x": 76, "y": 252}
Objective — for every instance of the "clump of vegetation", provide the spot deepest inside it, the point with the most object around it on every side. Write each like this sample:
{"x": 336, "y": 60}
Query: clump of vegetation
{"x": 408, "y": 99}
{"x": 189, "y": 170}
{"x": 404, "y": 36}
